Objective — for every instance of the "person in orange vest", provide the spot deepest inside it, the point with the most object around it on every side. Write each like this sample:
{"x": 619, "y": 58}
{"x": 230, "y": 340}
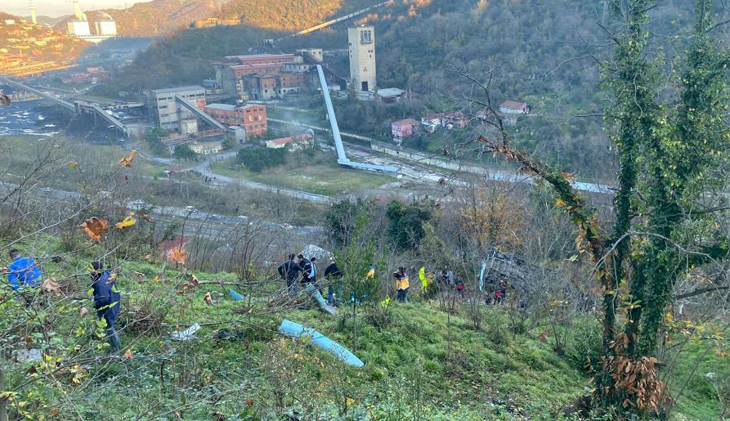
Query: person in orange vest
{"x": 402, "y": 283}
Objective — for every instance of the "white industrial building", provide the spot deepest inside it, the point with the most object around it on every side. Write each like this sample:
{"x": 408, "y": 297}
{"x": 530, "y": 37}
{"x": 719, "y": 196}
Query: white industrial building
{"x": 78, "y": 28}
{"x": 106, "y": 26}
{"x": 168, "y": 114}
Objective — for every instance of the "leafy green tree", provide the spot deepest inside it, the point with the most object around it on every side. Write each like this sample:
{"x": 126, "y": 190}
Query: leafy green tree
{"x": 405, "y": 222}
{"x": 355, "y": 260}
{"x": 184, "y": 152}
{"x": 257, "y": 160}
{"x": 154, "y": 139}
{"x": 340, "y": 220}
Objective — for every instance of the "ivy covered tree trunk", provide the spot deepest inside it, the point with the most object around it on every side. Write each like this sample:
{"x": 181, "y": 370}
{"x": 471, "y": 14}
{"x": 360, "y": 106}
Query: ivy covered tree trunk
{"x": 681, "y": 164}
{"x": 668, "y": 158}
{"x": 632, "y": 83}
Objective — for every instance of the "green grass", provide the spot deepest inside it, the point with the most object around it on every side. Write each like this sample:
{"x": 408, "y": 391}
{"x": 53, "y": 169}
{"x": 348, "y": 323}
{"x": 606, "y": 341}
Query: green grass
{"x": 25, "y": 151}
{"x": 422, "y": 365}
{"x": 325, "y": 178}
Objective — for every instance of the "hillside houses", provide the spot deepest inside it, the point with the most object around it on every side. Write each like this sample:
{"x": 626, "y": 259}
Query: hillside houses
{"x": 448, "y": 121}
{"x": 402, "y": 129}
{"x": 514, "y": 108}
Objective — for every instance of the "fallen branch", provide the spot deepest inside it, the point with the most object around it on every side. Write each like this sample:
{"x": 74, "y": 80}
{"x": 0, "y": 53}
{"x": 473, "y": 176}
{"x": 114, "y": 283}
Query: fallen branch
{"x": 700, "y": 292}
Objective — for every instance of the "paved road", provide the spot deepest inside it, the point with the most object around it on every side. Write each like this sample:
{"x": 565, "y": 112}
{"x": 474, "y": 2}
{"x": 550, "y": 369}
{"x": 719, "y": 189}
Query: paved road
{"x": 212, "y": 224}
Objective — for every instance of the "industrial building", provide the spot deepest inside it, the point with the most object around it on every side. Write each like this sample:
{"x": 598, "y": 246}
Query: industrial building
{"x": 361, "y": 41}
{"x": 79, "y": 26}
{"x": 106, "y": 26}
{"x": 266, "y": 76}
{"x": 251, "y": 117}
{"x": 167, "y": 113}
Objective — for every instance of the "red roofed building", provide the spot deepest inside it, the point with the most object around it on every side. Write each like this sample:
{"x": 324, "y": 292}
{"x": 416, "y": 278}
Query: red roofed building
{"x": 404, "y": 128}
{"x": 514, "y": 107}
{"x": 301, "y": 141}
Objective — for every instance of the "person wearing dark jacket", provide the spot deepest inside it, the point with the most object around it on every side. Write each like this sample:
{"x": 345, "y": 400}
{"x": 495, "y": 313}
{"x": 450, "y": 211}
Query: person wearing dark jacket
{"x": 106, "y": 301}
{"x": 305, "y": 266}
{"x": 334, "y": 276}
{"x": 289, "y": 272}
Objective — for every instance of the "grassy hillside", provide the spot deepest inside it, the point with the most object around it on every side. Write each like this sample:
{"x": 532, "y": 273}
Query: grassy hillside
{"x": 424, "y": 364}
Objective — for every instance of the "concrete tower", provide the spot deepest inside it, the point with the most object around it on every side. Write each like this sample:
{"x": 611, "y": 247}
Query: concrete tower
{"x": 33, "y": 19}
{"x": 77, "y": 11}
{"x": 362, "y": 58}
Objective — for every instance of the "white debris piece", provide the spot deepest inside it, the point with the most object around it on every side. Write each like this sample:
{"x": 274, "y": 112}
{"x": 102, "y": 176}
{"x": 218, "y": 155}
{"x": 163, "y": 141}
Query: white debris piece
{"x": 187, "y": 334}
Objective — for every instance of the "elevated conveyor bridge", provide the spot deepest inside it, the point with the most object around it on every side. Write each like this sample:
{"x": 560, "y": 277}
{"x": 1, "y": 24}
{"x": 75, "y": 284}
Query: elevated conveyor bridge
{"x": 65, "y": 104}
{"x": 342, "y": 158}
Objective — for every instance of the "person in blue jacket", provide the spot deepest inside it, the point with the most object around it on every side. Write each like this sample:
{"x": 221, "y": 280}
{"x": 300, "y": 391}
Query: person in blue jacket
{"x": 23, "y": 272}
{"x": 106, "y": 301}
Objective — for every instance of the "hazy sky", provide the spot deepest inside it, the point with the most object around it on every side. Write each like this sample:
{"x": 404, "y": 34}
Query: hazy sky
{"x": 59, "y": 7}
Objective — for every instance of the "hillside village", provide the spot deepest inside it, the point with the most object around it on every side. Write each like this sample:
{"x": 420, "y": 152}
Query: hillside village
{"x": 27, "y": 48}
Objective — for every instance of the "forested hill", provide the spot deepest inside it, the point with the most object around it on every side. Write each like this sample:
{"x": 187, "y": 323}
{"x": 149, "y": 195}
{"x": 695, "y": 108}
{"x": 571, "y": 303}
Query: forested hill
{"x": 159, "y": 17}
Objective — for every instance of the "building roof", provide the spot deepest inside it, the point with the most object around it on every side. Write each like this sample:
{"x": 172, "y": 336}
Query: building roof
{"x": 258, "y": 56}
{"x": 223, "y": 107}
{"x": 285, "y": 140}
{"x": 390, "y": 92}
{"x": 405, "y": 121}
{"x": 209, "y": 145}
{"x": 514, "y": 105}
{"x": 282, "y": 141}
{"x": 256, "y": 66}
{"x": 247, "y": 106}
{"x": 178, "y": 89}
{"x": 434, "y": 116}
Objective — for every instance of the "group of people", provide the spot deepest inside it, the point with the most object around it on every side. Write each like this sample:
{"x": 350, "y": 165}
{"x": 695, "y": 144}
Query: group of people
{"x": 25, "y": 278}
{"x": 300, "y": 271}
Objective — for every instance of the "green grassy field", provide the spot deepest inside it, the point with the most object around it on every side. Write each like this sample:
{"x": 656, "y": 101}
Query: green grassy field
{"x": 327, "y": 179}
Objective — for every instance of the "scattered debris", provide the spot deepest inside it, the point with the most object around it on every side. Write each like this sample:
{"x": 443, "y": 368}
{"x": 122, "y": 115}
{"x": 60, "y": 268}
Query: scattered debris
{"x": 208, "y": 299}
{"x": 28, "y": 355}
{"x": 236, "y": 296}
{"x": 297, "y": 331}
{"x": 187, "y": 334}
{"x": 231, "y": 334}
{"x": 315, "y": 251}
